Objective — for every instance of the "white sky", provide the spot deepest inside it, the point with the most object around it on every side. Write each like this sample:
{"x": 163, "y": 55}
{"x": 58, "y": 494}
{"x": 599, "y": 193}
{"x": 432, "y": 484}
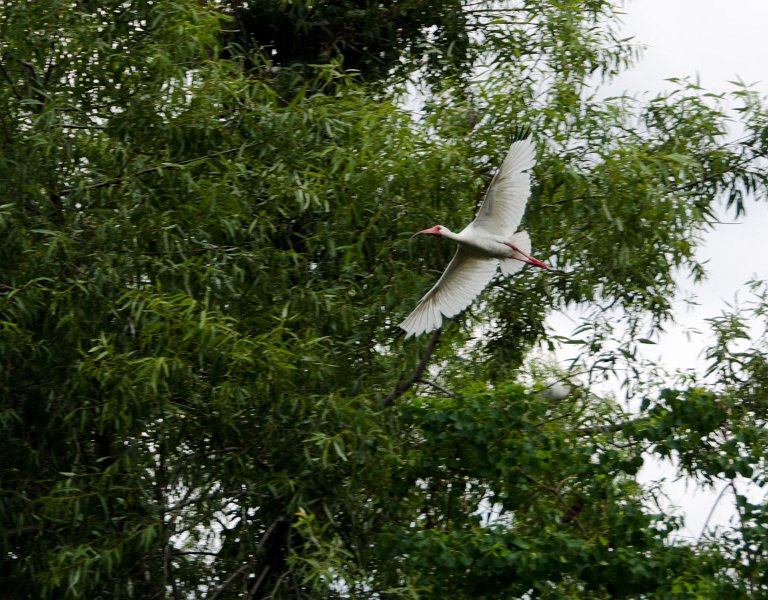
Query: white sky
{"x": 718, "y": 42}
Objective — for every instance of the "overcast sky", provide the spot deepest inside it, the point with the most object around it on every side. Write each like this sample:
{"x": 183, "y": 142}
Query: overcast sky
{"x": 699, "y": 38}
{"x": 718, "y": 42}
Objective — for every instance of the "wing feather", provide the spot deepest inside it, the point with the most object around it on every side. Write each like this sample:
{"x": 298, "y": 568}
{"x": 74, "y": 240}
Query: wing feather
{"x": 463, "y": 280}
{"x": 504, "y": 203}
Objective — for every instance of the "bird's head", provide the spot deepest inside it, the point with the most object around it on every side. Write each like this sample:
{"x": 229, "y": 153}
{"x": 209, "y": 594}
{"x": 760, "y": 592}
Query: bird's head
{"x": 436, "y": 230}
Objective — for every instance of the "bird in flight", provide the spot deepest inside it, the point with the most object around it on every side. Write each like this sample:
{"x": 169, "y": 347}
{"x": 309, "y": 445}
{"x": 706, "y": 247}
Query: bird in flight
{"x": 487, "y": 243}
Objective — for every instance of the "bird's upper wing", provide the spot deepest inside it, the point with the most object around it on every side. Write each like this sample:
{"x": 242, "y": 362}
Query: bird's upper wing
{"x": 504, "y": 204}
{"x": 464, "y": 278}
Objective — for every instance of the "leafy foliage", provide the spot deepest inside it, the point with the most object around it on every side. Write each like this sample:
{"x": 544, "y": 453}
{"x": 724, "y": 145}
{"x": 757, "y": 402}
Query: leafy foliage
{"x": 372, "y": 38}
{"x": 204, "y": 254}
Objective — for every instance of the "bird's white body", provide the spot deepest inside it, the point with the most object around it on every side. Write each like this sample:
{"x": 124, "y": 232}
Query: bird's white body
{"x": 477, "y": 243}
{"x": 486, "y": 244}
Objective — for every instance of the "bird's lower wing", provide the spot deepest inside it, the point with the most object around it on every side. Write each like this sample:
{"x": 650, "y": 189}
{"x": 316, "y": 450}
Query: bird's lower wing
{"x": 463, "y": 280}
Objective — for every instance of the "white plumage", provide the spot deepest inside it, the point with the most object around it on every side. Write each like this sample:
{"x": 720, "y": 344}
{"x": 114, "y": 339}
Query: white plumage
{"x": 488, "y": 242}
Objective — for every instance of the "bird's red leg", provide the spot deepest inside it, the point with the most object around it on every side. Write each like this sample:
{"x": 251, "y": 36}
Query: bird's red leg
{"x": 530, "y": 260}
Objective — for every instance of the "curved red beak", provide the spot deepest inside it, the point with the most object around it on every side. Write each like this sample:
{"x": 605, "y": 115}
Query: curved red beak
{"x": 431, "y": 231}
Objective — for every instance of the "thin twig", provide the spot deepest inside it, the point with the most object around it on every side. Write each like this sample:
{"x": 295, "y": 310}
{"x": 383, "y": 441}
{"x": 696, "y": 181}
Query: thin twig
{"x": 712, "y": 510}
{"x": 405, "y": 384}
{"x": 565, "y": 416}
{"x": 439, "y": 388}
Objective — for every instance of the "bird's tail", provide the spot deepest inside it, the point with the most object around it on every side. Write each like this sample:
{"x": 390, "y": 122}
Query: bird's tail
{"x": 510, "y": 266}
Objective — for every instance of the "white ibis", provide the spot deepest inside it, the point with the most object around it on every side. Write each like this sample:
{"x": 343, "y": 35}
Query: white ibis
{"x": 486, "y": 243}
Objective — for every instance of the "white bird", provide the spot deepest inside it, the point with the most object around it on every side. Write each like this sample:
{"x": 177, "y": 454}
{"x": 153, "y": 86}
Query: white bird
{"x": 486, "y": 243}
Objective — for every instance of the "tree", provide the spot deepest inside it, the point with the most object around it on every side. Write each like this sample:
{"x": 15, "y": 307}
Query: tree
{"x": 204, "y": 256}
{"x": 375, "y": 39}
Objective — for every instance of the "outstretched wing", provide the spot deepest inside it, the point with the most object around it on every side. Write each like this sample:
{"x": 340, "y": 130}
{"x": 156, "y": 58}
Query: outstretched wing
{"x": 463, "y": 280}
{"x": 504, "y": 204}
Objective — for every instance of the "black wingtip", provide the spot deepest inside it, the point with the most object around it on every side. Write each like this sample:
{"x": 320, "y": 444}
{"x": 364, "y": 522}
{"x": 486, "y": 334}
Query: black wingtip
{"x": 521, "y": 132}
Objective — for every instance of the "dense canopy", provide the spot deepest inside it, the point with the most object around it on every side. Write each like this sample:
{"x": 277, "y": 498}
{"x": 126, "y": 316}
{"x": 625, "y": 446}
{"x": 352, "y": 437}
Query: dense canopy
{"x": 205, "y": 212}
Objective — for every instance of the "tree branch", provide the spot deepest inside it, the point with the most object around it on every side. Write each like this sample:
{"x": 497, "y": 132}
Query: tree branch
{"x": 262, "y": 578}
{"x": 405, "y": 384}
{"x": 157, "y": 169}
{"x": 439, "y": 388}
{"x": 610, "y": 427}
{"x": 277, "y": 523}
{"x": 10, "y": 81}
{"x": 712, "y": 511}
